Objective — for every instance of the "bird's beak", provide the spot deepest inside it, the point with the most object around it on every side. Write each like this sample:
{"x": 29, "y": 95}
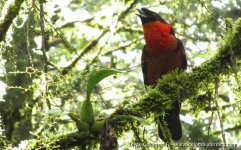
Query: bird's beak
{"x": 141, "y": 14}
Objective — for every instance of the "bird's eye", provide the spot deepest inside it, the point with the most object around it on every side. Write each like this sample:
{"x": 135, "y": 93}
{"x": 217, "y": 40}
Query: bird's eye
{"x": 156, "y": 15}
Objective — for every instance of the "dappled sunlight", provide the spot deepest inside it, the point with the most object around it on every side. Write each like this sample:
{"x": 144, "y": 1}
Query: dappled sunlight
{"x": 55, "y": 56}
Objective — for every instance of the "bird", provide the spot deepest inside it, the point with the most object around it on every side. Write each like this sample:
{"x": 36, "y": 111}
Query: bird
{"x": 162, "y": 53}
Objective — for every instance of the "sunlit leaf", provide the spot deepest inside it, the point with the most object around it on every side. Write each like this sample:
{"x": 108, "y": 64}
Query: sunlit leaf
{"x": 99, "y": 75}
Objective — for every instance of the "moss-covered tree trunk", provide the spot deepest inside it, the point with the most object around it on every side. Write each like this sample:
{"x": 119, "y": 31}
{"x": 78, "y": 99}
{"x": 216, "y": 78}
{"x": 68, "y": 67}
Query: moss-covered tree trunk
{"x": 16, "y": 110}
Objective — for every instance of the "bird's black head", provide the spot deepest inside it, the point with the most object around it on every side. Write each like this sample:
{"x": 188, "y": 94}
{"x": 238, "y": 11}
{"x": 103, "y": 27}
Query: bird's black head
{"x": 147, "y": 15}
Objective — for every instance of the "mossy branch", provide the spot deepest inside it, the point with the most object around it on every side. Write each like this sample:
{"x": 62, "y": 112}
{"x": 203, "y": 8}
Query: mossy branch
{"x": 8, "y": 13}
{"x": 62, "y": 141}
{"x": 185, "y": 86}
{"x": 188, "y": 86}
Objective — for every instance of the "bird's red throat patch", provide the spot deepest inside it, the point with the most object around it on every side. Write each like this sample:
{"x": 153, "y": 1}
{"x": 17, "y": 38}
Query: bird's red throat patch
{"x": 157, "y": 36}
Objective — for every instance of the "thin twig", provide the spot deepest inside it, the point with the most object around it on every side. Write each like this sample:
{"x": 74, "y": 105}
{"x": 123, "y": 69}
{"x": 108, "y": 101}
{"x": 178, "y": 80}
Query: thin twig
{"x": 235, "y": 128}
{"x": 134, "y": 129}
{"x": 203, "y": 4}
{"x": 86, "y": 50}
{"x": 126, "y": 12}
{"x": 234, "y": 65}
{"x": 120, "y": 48}
{"x": 43, "y": 35}
{"x": 209, "y": 126}
{"x": 28, "y": 39}
{"x": 71, "y": 24}
{"x": 219, "y": 112}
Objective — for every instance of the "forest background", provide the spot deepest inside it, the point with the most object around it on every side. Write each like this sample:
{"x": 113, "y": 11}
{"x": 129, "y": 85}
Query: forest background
{"x": 52, "y": 51}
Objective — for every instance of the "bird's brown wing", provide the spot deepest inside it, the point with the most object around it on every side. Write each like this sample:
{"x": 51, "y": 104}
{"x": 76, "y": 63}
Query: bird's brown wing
{"x": 172, "y": 117}
{"x": 144, "y": 62}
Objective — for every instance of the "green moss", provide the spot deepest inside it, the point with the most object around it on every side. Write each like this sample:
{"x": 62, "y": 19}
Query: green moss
{"x": 195, "y": 87}
{"x": 4, "y": 143}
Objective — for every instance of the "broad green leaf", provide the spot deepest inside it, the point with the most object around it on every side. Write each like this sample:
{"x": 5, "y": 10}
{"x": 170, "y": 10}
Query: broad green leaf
{"x": 99, "y": 75}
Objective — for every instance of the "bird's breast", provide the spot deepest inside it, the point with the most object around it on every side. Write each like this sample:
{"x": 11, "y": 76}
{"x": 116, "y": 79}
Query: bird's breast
{"x": 158, "y": 43}
{"x": 162, "y": 64}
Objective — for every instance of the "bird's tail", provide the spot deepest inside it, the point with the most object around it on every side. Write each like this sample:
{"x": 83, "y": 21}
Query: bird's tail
{"x": 173, "y": 123}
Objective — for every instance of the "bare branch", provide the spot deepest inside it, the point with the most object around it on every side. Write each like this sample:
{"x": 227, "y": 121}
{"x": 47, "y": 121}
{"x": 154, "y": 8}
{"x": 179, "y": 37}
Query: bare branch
{"x": 235, "y": 128}
{"x": 218, "y": 109}
{"x": 86, "y": 50}
{"x": 71, "y": 24}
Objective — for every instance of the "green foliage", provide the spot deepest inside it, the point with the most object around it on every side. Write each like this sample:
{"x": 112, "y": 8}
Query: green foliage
{"x": 82, "y": 126}
{"x": 97, "y": 76}
{"x": 4, "y": 143}
{"x": 87, "y": 112}
{"x": 42, "y": 101}
{"x": 198, "y": 135}
{"x": 98, "y": 126}
{"x": 127, "y": 117}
